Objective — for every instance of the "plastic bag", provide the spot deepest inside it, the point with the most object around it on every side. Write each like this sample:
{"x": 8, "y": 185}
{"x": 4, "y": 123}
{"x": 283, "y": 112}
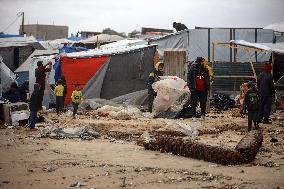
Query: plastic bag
{"x": 169, "y": 90}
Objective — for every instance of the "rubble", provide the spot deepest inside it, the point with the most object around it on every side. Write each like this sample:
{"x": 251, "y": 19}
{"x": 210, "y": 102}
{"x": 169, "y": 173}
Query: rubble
{"x": 83, "y": 132}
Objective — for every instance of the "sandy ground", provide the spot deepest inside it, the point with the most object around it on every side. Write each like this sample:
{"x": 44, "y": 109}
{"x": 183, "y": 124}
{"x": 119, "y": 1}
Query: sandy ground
{"x": 116, "y": 161}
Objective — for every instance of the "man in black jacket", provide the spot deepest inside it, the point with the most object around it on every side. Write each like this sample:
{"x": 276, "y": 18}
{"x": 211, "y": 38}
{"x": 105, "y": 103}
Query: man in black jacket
{"x": 179, "y": 26}
{"x": 34, "y": 105}
{"x": 199, "y": 84}
{"x": 266, "y": 90}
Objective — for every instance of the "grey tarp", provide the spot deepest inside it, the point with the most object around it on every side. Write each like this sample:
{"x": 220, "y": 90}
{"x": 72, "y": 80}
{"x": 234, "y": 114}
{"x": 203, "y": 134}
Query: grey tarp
{"x": 198, "y": 42}
{"x": 124, "y": 73}
{"x": 7, "y": 77}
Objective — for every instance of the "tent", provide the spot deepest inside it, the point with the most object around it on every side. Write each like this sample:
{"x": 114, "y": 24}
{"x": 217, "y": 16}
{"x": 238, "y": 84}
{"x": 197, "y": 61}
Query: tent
{"x": 23, "y": 70}
{"x": 7, "y": 77}
{"x": 15, "y": 50}
{"x": 108, "y": 73}
{"x": 198, "y": 42}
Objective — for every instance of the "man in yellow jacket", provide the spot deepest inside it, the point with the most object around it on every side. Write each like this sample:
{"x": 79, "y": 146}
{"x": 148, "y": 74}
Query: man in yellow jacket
{"x": 76, "y": 98}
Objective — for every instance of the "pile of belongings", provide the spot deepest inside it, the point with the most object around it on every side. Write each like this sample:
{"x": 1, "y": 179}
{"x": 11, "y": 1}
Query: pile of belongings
{"x": 82, "y": 132}
{"x": 222, "y": 102}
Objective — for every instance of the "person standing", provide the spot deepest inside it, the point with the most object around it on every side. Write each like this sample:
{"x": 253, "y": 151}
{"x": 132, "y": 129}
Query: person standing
{"x": 76, "y": 98}
{"x": 199, "y": 85}
{"x": 64, "y": 83}
{"x": 154, "y": 77}
{"x": 179, "y": 26}
{"x": 266, "y": 90}
{"x": 59, "y": 90}
{"x": 251, "y": 104}
{"x": 40, "y": 74}
{"x": 34, "y": 106}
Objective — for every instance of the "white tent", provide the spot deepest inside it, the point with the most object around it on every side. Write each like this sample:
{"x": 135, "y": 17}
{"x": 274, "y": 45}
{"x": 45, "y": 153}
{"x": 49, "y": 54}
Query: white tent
{"x": 19, "y": 42}
{"x": 124, "y": 42}
{"x": 102, "y": 38}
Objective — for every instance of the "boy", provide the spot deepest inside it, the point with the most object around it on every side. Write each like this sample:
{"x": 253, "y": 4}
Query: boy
{"x": 76, "y": 98}
{"x": 251, "y": 103}
{"x": 34, "y": 105}
{"x": 59, "y": 91}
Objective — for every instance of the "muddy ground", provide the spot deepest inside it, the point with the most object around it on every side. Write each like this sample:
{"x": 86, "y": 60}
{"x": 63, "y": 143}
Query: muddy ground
{"x": 116, "y": 161}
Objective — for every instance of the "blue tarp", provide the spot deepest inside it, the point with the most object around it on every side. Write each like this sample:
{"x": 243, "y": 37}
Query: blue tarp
{"x": 68, "y": 49}
{"x": 10, "y": 35}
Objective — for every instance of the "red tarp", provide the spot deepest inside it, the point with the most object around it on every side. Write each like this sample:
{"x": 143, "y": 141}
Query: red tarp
{"x": 79, "y": 71}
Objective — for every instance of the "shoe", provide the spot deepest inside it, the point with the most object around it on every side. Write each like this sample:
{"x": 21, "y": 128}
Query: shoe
{"x": 266, "y": 121}
{"x": 203, "y": 117}
{"x": 33, "y": 129}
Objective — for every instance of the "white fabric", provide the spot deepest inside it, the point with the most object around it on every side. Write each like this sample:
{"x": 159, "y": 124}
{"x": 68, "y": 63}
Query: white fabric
{"x": 37, "y": 53}
{"x": 169, "y": 90}
{"x": 125, "y": 42}
{"x": 108, "y": 51}
{"x": 270, "y": 47}
{"x": 102, "y": 38}
{"x": 17, "y": 41}
{"x": 276, "y": 26}
{"x": 7, "y": 77}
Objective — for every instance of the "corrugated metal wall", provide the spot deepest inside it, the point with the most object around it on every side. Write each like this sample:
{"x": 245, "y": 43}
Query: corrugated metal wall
{"x": 175, "y": 63}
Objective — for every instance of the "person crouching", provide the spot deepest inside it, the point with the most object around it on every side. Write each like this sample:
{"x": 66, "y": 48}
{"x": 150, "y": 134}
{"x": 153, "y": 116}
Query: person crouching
{"x": 76, "y": 99}
{"x": 251, "y": 104}
{"x": 59, "y": 91}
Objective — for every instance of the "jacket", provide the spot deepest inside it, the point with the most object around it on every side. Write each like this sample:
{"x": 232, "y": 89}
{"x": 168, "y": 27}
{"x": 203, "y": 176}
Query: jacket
{"x": 193, "y": 70}
{"x": 35, "y": 100}
{"x": 154, "y": 76}
{"x": 247, "y": 101}
{"x": 265, "y": 84}
{"x": 59, "y": 90}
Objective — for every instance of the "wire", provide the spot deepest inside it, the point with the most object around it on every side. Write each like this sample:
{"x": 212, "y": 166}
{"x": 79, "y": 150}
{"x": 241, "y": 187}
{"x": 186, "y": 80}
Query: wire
{"x": 18, "y": 16}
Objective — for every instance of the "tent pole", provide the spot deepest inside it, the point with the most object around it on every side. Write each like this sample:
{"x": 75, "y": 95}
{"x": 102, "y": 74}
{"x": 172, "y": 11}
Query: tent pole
{"x": 273, "y": 59}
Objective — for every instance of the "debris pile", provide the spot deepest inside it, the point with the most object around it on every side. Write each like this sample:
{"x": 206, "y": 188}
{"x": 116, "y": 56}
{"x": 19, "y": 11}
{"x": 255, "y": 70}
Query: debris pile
{"x": 82, "y": 132}
{"x": 222, "y": 102}
{"x": 244, "y": 152}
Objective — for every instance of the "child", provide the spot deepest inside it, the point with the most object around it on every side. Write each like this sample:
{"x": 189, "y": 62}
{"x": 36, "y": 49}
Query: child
{"x": 59, "y": 91}
{"x": 251, "y": 103}
{"x": 76, "y": 98}
{"x": 34, "y": 105}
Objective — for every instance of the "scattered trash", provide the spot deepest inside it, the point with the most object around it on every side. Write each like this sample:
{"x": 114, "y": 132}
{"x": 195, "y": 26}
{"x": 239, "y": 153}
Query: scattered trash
{"x": 83, "y": 132}
{"x": 77, "y": 185}
{"x": 120, "y": 113}
{"x": 222, "y": 102}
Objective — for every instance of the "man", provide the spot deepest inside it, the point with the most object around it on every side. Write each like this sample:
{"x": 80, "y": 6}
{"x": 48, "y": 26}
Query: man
{"x": 34, "y": 106}
{"x": 40, "y": 74}
{"x": 266, "y": 90}
{"x": 179, "y": 26}
{"x": 199, "y": 84}
{"x": 154, "y": 77}
{"x": 24, "y": 90}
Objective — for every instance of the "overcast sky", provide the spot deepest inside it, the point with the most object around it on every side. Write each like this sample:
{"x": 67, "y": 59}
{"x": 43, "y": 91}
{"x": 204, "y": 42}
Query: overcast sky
{"x": 127, "y": 15}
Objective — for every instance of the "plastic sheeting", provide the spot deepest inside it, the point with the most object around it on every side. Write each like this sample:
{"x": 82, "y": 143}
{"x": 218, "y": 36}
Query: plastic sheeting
{"x": 7, "y": 77}
{"x": 80, "y": 71}
{"x": 125, "y": 73}
{"x": 197, "y": 42}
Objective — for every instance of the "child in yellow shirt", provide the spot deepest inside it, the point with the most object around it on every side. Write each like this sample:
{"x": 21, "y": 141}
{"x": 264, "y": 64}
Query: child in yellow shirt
{"x": 59, "y": 91}
{"x": 76, "y": 98}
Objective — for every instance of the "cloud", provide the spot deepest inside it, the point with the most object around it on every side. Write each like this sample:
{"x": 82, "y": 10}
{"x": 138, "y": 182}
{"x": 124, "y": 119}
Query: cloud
{"x": 127, "y": 15}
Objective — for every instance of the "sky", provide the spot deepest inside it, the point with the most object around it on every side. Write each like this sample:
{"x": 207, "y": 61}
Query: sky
{"x": 128, "y": 15}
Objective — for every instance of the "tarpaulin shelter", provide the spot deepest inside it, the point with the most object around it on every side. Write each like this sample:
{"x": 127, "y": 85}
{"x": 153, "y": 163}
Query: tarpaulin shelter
{"x": 108, "y": 73}
{"x": 200, "y": 43}
{"x": 15, "y": 50}
{"x": 23, "y": 70}
{"x": 7, "y": 77}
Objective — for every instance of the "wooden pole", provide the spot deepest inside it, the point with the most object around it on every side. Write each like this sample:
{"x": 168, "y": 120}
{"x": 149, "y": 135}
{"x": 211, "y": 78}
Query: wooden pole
{"x": 273, "y": 59}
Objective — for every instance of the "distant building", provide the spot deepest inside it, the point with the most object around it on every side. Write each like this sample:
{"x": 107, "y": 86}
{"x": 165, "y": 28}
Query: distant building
{"x": 156, "y": 31}
{"x": 88, "y": 34}
{"x": 45, "y": 32}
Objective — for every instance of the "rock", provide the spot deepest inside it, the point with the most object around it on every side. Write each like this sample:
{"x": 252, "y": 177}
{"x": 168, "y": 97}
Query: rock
{"x": 49, "y": 168}
{"x": 77, "y": 185}
{"x": 5, "y": 182}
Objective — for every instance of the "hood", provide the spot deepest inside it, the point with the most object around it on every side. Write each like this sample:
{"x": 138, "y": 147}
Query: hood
{"x": 157, "y": 65}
